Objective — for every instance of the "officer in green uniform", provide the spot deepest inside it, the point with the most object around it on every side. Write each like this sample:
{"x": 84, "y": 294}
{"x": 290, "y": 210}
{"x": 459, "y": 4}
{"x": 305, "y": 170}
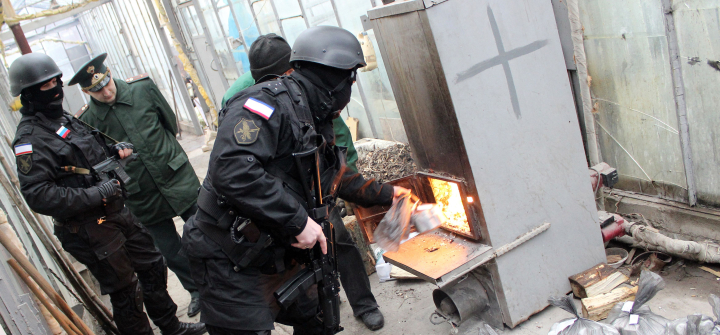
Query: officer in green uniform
{"x": 164, "y": 184}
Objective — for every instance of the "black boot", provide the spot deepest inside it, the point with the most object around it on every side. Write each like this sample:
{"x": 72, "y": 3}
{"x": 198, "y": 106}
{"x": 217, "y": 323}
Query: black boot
{"x": 374, "y": 319}
{"x": 184, "y": 328}
{"x": 194, "y": 307}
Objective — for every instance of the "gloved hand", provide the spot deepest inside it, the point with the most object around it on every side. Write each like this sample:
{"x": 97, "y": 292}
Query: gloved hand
{"x": 110, "y": 190}
{"x": 123, "y": 149}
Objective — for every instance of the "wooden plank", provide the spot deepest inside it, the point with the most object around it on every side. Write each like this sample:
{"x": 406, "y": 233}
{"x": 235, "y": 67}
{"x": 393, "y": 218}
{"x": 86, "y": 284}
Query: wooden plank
{"x": 356, "y": 234}
{"x": 606, "y": 285}
{"x": 597, "y": 308}
{"x": 352, "y": 124}
{"x": 709, "y": 270}
{"x": 581, "y": 281}
{"x": 399, "y": 273}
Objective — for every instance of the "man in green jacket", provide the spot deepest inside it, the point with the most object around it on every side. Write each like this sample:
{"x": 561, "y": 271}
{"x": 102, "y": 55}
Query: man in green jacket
{"x": 163, "y": 184}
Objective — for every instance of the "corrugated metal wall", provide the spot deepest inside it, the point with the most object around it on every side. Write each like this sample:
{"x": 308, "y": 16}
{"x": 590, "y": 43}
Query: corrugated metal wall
{"x": 133, "y": 46}
{"x": 632, "y": 88}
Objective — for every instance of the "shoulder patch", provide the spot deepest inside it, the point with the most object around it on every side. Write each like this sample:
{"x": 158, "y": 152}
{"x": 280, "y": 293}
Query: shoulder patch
{"x": 81, "y": 111}
{"x": 260, "y": 108}
{"x": 23, "y": 157}
{"x": 246, "y": 132}
{"x": 23, "y": 149}
{"x": 137, "y": 78}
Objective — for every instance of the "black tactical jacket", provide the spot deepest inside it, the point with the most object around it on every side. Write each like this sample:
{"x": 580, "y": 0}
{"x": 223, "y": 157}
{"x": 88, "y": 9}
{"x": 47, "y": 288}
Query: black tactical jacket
{"x": 257, "y": 135}
{"x": 41, "y": 151}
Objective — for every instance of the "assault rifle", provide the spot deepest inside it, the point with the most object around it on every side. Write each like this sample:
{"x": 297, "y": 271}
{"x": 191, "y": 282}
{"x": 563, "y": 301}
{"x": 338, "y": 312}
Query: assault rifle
{"x": 113, "y": 168}
{"x": 320, "y": 269}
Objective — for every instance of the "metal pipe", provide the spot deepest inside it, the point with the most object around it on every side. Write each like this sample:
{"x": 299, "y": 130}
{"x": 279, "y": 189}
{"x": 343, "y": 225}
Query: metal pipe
{"x": 679, "y": 91}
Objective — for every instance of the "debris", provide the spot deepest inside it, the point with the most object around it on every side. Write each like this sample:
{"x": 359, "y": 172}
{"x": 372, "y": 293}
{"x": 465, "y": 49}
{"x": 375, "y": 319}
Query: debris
{"x": 693, "y": 60}
{"x": 714, "y": 64}
{"x": 613, "y": 258}
{"x": 597, "y": 308}
{"x": 630, "y": 256}
{"x": 431, "y": 249}
{"x": 385, "y": 164}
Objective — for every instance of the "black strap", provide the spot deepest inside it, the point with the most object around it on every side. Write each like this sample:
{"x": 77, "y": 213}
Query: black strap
{"x": 222, "y": 238}
{"x": 209, "y": 203}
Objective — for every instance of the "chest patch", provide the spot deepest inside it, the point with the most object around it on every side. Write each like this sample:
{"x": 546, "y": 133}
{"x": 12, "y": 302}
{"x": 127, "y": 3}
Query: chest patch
{"x": 63, "y": 132}
{"x": 260, "y": 108}
{"x": 24, "y": 163}
{"x": 246, "y": 132}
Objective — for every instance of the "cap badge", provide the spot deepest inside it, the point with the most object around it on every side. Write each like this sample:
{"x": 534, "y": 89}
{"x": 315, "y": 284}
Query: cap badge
{"x": 91, "y": 69}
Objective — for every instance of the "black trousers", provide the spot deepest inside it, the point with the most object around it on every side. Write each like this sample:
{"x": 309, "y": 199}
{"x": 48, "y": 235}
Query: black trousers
{"x": 353, "y": 277}
{"x": 168, "y": 241}
{"x": 115, "y": 251}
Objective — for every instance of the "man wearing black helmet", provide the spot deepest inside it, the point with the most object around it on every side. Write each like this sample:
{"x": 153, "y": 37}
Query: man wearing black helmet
{"x": 253, "y": 175}
{"x": 55, "y": 154}
{"x": 269, "y": 57}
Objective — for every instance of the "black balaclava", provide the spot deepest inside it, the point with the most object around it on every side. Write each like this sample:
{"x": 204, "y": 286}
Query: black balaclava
{"x": 333, "y": 87}
{"x": 47, "y": 102}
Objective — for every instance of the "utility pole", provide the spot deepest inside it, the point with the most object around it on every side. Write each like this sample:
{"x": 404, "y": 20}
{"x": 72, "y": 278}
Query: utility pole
{"x": 15, "y": 27}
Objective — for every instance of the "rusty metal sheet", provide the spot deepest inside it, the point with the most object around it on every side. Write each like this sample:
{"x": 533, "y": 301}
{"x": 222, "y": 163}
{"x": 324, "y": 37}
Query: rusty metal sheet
{"x": 435, "y": 254}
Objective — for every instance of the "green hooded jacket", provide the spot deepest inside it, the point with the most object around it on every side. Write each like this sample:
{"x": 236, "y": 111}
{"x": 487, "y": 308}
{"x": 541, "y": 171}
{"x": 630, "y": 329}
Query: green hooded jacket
{"x": 164, "y": 184}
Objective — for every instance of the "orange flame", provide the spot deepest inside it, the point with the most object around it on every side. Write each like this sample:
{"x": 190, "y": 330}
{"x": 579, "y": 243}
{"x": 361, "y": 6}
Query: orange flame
{"x": 447, "y": 196}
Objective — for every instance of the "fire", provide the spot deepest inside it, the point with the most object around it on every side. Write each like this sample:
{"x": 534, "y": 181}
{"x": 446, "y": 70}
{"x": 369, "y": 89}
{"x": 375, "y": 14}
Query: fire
{"x": 447, "y": 196}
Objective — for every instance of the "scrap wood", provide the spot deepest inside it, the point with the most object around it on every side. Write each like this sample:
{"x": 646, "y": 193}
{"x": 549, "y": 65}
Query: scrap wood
{"x": 606, "y": 285}
{"x": 399, "y": 273}
{"x": 597, "y": 308}
{"x": 581, "y": 281}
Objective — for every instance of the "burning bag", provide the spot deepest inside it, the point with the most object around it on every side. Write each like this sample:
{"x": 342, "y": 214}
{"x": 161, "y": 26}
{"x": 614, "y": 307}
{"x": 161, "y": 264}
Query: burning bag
{"x": 632, "y": 318}
{"x": 577, "y": 325}
{"x": 697, "y": 324}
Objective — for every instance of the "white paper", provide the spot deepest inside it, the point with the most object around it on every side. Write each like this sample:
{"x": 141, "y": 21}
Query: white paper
{"x": 634, "y": 319}
{"x": 627, "y": 306}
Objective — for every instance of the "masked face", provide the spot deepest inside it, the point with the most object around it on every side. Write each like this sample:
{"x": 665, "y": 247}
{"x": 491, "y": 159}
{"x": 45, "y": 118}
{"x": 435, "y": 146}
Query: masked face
{"x": 341, "y": 95}
{"x": 46, "y": 93}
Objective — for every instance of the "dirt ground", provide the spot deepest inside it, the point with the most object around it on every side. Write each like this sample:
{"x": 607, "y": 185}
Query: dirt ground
{"x": 407, "y": 305}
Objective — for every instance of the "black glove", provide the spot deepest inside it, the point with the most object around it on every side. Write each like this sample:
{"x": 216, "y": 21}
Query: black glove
{"x": 121, "y": 146}
{"x": 110, "y": 190}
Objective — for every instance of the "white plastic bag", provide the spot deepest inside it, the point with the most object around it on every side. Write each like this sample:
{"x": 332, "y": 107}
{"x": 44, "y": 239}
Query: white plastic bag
{"x": 633, "y": 318}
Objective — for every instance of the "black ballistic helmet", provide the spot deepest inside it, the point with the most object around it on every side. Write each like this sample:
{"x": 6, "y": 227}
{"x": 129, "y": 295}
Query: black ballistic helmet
{"x": 31, "y": 69}
{"x": 330, "y": 46}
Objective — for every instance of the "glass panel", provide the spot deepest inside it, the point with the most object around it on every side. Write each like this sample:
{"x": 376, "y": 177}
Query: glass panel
{"x": 266, "y": 17}
{"x": 697, "y": 25}
{"x": 633, "y": 95}
{"x": 219, "y": 42}
{"x": 293, "y": 27}
{"x": 246, "y": 24}
{"x": 287, "y": 8}
{"x": 236, "y": 44}
{"x": 320, "y": 12}
{"x": 189, "y": 22}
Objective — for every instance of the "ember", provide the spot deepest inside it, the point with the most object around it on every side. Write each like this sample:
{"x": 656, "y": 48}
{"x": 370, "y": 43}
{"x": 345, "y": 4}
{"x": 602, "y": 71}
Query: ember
{"x": 447, "y": 196}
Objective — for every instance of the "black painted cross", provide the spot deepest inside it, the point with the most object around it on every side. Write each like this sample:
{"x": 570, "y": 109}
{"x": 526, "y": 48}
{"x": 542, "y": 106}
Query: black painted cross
{"x": 503, "y": 58}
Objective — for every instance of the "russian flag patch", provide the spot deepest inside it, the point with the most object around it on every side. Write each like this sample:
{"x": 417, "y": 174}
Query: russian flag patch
{"x": 22, "y": 149}
{"x": 63, "y": 132}
{"x": 260, "y": 108}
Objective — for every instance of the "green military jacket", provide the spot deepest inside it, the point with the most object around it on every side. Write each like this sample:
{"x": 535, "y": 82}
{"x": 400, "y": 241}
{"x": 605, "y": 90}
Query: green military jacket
{"x": 164, "y": 184}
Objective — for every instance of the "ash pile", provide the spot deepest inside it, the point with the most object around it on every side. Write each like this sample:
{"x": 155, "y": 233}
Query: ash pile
{"x": 384, "y": 160}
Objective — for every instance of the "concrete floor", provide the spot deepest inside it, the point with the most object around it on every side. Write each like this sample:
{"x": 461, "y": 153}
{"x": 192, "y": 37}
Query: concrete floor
{"x": 407, "y": 305}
